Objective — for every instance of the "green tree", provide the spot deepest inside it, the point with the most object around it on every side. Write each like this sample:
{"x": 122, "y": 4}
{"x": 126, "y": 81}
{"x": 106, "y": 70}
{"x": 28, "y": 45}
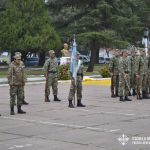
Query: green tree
{"x": 25, "y": 26}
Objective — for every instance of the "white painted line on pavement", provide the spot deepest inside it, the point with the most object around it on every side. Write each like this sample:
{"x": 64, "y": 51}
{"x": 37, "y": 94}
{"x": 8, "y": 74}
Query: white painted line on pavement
{"x": 103, "y": 112}
{"x": 20, "y": 146}
{"x": 124, "y": 114}
{"x": 114, "y": 130}
{"x": 61, "y": 124}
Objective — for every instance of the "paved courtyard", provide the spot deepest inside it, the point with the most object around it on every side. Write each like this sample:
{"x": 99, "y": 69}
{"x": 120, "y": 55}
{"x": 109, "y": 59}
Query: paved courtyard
{"x": 53, "y": 126}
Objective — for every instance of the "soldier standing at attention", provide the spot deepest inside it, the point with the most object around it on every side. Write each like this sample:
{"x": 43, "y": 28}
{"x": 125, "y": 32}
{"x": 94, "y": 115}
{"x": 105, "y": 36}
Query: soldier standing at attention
{"x": 141, "y": 71}
{"x": 148, "y": 73}
{"x": 124, "y": 80}
{"x": 113, "y": 68}
{"x": 21, "y": 63}
{"x": 133, "y": 61}
{"x": 51, "y": 75}
{"x": 76, "y": 85}
{"x": 16, "y": 80}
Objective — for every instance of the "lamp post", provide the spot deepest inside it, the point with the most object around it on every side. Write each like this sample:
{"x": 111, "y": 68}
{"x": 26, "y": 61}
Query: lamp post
{"x": 145, "y": 40}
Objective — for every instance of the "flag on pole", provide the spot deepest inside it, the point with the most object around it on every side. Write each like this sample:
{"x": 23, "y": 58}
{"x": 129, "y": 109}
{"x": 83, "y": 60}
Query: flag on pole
{"x": 73, "y": 65}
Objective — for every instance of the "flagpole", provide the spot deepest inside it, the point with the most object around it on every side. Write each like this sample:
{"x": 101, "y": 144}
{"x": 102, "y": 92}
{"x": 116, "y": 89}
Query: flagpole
{"x": 73, "y": 66}
{"x": 74, "y": 102}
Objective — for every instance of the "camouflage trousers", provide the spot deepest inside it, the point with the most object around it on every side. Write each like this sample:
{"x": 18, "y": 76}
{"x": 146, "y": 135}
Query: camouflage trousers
{"x": 16, "y": 90}
{"x": 75, "y": 88}
{"x": 142, "y": 82}
{"x": 133, "y": 81}
{"x": 123, "y": 87}
{"x": 148, "y": 84}
{"x": 115, "y": 82}
{"x": 52, "y": 82}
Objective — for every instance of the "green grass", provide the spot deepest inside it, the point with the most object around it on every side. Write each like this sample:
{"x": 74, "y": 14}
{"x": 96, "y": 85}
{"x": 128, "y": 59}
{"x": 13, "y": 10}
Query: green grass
{"x": 38, "y": 72}
{"x": 3, "y": 72}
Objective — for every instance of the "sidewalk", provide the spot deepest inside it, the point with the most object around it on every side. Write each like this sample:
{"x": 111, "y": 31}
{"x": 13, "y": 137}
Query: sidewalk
{"x": 87, "y": 80}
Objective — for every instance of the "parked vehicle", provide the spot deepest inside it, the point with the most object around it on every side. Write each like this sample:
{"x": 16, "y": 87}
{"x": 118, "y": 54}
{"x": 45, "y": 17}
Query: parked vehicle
{"x": 32, "y": 61}
{"x": 107, "y": 60}
{"x": 101, "y": 60}
{"x": 85, "y": 59}
{"x": 104, "y": 60}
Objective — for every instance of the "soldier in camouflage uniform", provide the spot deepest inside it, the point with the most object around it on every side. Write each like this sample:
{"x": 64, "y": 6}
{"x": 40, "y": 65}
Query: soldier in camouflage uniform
{"x": 124, "y": 77}
{"x": 113, "y": 68}
{"x": 51, "y": 75}
{"x": 141, "y": 74}
{"x": 148, "y": 73}
{"x": 21, "y": 63}
{"x": 16, "y": 80}
{"x": 133, "y": 61}
{"x": 76, "y": 86}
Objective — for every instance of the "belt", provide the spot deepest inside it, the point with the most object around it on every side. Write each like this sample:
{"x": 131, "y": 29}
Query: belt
{"x": 52, "y": 71}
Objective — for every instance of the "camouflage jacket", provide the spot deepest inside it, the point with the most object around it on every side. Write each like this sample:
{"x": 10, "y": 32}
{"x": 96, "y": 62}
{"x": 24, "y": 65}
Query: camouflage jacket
{"x": 16, "y": 74}
{"x": 80, "y": 71}
{"x": 148, "y": 64}
{"x": 124, "y": 66}
{"x": 51, "y": 67}
{"x": 133, "y": 62}
{"x": 114, "y": 65}
{"x": 141, "y": 65}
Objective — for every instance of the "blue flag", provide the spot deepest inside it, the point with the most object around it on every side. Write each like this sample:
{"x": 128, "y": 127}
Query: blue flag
{"x": 73, "y": 65}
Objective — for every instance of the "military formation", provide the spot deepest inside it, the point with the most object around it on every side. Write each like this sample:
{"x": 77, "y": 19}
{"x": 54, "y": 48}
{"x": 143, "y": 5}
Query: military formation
{"x": 130, "y": 74}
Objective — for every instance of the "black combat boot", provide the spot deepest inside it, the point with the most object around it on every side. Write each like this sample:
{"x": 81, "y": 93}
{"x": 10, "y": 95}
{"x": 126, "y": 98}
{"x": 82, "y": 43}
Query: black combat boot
{"x": 25, "y": 103}
{"x": 144, "y": 95}
{"x": 70, "y": 104}
{"x": 56, "y": 98}
{"x": 139, "y": 96}
{"x": 127, "y": 99}
{"x": 79, "y": 104}
{"x": 47, "y": 99}
{"x": 12, "y": 110}
{"x": 116, "y": 93}
{"x": 20, "y": 111}
{"x": 134, "y": 92}
{"x": 0, "y": 115}
{"x": 112, "y": 92}
{"x": 121, "y": 99}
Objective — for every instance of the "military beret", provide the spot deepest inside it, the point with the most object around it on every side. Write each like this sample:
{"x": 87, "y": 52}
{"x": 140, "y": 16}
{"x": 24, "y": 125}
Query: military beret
{"x": 133, "y": 50}
{"x": 17, "y": 56}
{"x": 51, "y": 51}
{"x": 124, "y": 50}
{"x": 18, "y": 53}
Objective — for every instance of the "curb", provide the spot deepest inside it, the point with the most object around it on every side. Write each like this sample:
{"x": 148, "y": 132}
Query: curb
{"x": 86, "y": 81}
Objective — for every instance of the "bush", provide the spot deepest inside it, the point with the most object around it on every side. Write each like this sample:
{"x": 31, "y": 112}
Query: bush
{"x": 104, "y": 72}
{"x": 64, "y": 72}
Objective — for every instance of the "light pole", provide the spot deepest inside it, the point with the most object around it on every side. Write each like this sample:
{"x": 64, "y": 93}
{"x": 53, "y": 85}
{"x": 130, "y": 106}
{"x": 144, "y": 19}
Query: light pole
{"x": 145, "y": 40}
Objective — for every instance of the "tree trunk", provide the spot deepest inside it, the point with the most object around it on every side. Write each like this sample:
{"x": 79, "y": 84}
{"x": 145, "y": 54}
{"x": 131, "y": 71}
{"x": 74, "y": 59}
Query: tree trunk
{"x": 41, "y": 58}
{"x": 94, "y": 55}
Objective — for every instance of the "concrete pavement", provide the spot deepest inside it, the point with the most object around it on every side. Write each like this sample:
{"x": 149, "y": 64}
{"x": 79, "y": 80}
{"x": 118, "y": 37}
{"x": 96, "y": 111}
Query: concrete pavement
{"x": 53, "y": 126}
